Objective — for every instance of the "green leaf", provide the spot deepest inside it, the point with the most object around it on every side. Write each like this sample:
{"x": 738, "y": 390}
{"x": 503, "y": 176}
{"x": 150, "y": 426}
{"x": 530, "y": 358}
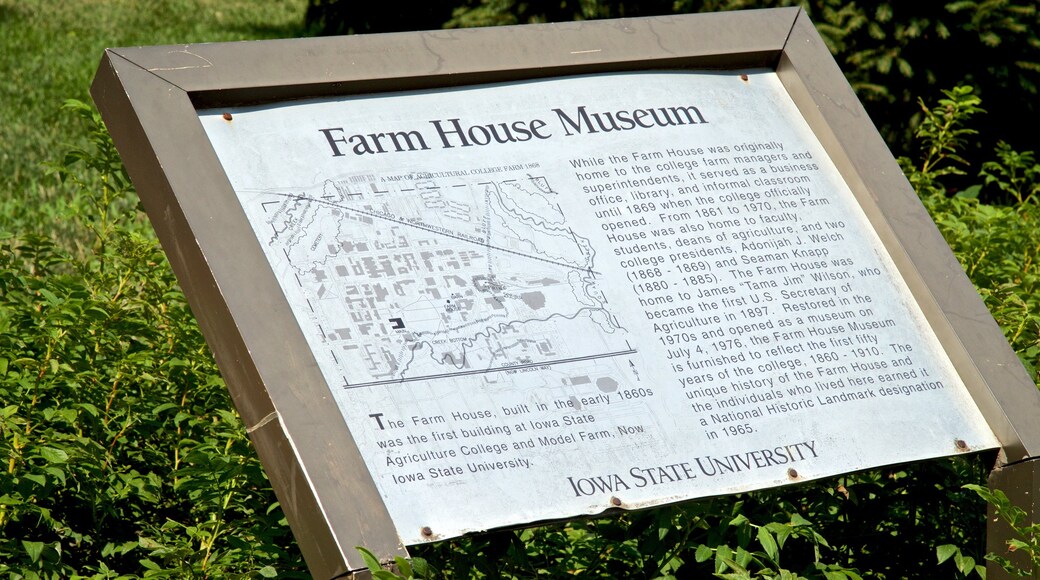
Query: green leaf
{"x": 1016, "y": 544}
{"x": 268, "y": 572}
{"x": 6, "y": 499}
{"x": 964, "y": 563}
{"x": 55, "y": 473}
{"x": 164, "y": 407}
{"x": 421, "y": 568}
{"x": 743, "y": 557}
{"x": 51, "y": 298}
{"x": 723, "y": 554}
{"x": 34, "y": 549}
{"x": 768, "y": 544}
{"x": 371, "y": 562}
{"x": 970, "y": 192}
{"x": 945, "y": 552}
{"x": 798, "y": 520}
{"x": 703, "y": 553}
{"x": 54, "y": 455}
{"x": 404, "y": 567}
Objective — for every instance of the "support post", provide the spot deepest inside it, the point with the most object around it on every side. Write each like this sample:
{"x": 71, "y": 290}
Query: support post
{"x": 1021, "y": 483}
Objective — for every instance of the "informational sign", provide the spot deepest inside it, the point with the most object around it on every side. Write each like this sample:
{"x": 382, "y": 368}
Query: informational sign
{"x": 551, "y": 298}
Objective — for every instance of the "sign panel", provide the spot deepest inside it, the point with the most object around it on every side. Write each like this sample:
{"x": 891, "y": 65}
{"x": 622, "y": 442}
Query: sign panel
{"x": 550, "y": 298}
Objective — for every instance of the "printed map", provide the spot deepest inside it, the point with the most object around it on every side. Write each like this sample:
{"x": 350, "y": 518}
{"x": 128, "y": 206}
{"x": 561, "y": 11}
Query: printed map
{"x": 415, "y": 277}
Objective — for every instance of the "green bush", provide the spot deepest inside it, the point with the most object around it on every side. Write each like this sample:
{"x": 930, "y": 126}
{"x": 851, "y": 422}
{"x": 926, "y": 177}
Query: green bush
{"x": 122, "y": 456}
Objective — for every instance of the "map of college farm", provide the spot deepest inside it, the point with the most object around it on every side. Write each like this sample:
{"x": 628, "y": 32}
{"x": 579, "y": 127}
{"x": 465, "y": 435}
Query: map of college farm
{"x": 416, "y": 277}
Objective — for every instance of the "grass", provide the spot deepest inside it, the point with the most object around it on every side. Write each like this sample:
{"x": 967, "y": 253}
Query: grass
{"x": 49, "y": 50}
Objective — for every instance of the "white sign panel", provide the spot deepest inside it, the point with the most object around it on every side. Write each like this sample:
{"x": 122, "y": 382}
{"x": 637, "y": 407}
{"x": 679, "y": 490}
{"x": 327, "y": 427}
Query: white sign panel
{"x": 550, "y": 298}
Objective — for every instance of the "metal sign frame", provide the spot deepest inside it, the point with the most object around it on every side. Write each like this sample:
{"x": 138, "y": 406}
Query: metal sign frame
{"x": 149, "y": 97}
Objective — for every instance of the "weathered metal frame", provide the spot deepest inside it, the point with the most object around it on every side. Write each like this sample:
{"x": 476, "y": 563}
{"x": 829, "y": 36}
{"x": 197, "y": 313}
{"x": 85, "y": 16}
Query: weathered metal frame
{"x": 148, "y": 97}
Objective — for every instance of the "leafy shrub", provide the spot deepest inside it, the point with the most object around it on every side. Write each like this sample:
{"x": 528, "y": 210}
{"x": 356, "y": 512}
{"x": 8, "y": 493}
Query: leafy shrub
{"x": 121, "y": 456}
{"x": 998, "y": 245}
